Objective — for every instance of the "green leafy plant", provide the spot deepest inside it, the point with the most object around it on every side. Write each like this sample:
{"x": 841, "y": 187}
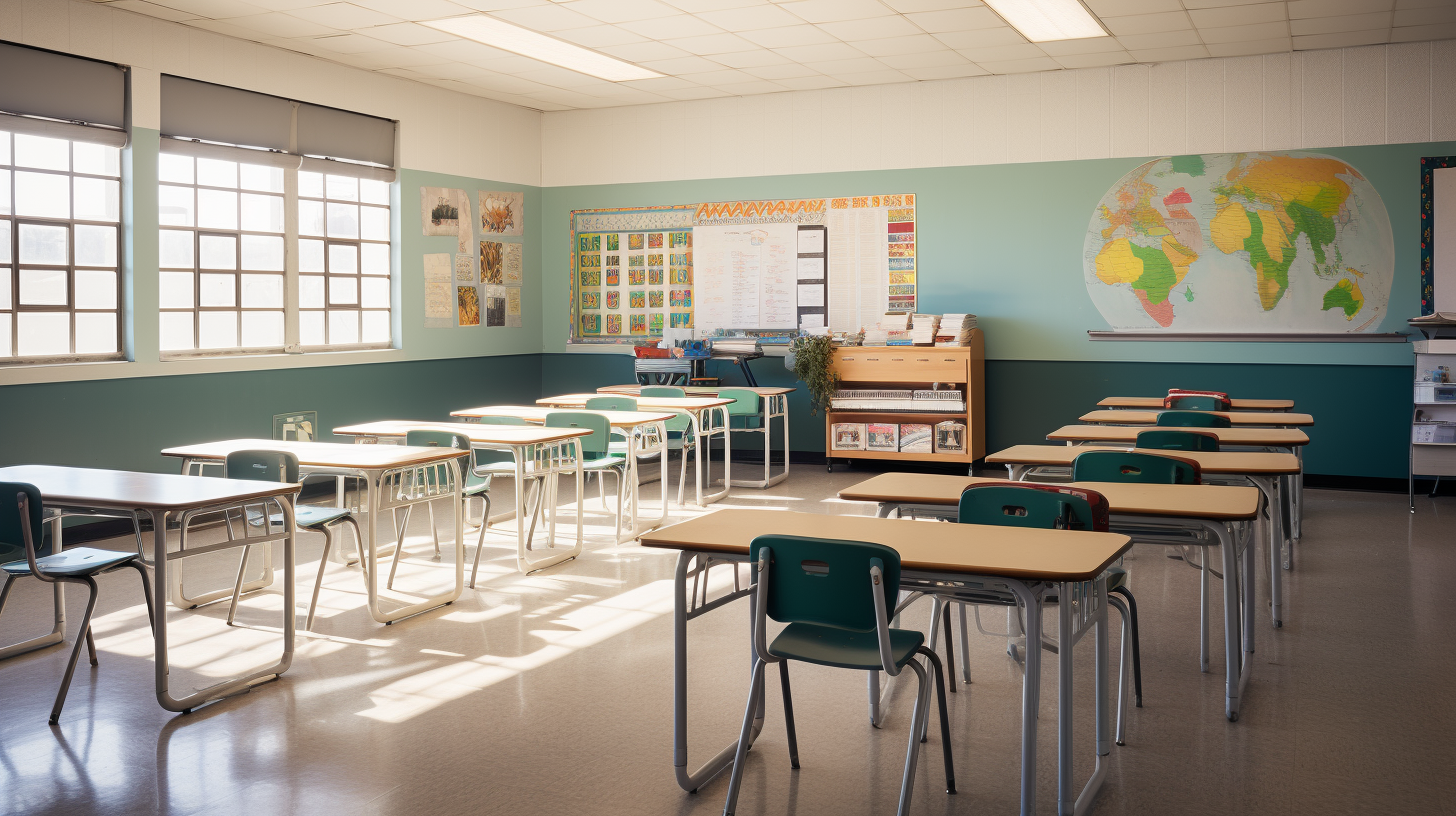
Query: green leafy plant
{"x": 813, "y": 363}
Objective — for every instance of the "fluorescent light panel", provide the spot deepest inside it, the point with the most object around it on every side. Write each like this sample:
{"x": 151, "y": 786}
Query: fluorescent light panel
{"x": 1048, "y": 20}
{"x": 528, "y": 43}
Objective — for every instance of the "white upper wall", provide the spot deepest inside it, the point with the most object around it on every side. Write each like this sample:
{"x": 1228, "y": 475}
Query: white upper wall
{"x": 1355, "y": 96}
{"x": 440, "y": 131}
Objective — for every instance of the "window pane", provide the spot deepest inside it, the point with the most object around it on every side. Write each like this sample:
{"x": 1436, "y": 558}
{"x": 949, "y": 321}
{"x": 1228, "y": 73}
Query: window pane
{"x": 175, "y": 291}
{"x": 218, "y": 251}
{"x": 374, "y": 258}
{"x": 44, "y": 244}
{"x": 342, "y": 188}
{"x": 217, "y": 209}
{"x": 262, "y": 329}
{"x": 310, "y": 256}
{"x": 376, "y": 327}
{"x": 374, "y": 292}
{"x": 343, "y": 291}
{"x": 311, "y": 185}
{"x": 95, "y": 289}
{"x": 262, "y": 213}
{"x": 343, "y": 327}
{"x": 41, "y": 152}
{"x": 374, "y": 224}
{"x": 216, "y": 173}
{"x": 343, "y": 220}
{"x": 373, "y": 192}
{"x": 217, "y": 290}
{"x": 176, "y": 331}
{"x": 98, "y": 199}
{"x": 172, "y": 167}
{"x": 176, "y": 249}
{"x": 4, "y": 148}
{"x": 4, "y": 318}
{"x": 95, "y": 332}
{"x": 258, "y": 177}
{"x": 262, "y": 291}
{"x": 5, "y": 288}
{"x": 217, "y": 330}
{"x": 310, "y": 218}
{"x": 43, "y": 287}
{"x": 4, "y": 242}
{"x": 311, "y": 328}
{"x": 343, "y": 259}
{"x": 174, "y": 206}
{"x": 263, "y": 253}
{"x": 43, "y": 333}
{"x": 98, "y": 160}
{"x": 95, "y": 246}
{"x": 4, "y": 192}
{"x": 310, "y": 291}
{"x": 42, "y": 194}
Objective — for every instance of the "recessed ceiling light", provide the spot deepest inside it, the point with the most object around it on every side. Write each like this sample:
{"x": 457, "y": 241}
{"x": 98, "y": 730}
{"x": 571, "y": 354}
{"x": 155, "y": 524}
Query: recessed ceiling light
{"x": 1048, "y": 20}
{"x": 528, "y": 43}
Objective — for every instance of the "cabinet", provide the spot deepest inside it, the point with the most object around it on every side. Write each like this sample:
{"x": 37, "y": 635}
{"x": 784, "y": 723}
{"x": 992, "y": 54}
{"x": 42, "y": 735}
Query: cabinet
{"x": 1433, "y": 416}
{"x": 914, "y": 368}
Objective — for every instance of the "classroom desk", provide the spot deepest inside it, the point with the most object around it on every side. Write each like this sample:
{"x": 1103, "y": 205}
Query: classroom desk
{"x": 161, "y": 497}
{"x": 646, "y": 433}
{"x": 1171, "y": 515}
{"x": 395, "y": 476}
{"x": 538, "y": 452}
{"x": 1156, "y": 403}
{"x": 775, "y": 403}
{"x": 700, "y": 411}
{"x": 1266, "y": 471}
{"x": 1239, "y": 419}
{"x": 978, "y": 562}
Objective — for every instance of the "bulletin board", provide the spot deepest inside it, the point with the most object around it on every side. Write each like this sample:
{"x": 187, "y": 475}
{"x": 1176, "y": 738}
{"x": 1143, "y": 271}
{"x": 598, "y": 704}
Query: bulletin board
{"x": 767, "y": 265}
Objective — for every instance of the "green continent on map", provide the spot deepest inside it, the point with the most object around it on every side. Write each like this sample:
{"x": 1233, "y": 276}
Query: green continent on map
{"x": 1188, "y": 165}
{"x": 1345, "y": 295}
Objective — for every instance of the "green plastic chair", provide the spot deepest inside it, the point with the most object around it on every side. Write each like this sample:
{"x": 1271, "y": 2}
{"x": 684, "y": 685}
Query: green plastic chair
{"x": 1131, "y": 466}
{"x": 503, "y": 464}
{"x": 282, "y": 466}
{"x": 477, "y": 485}
{"x": 664, "y": 391}
{"x": 1058, "y": 507}
{"x": 1178, "y": 440}
{"x": 679, "y": 432}
{"x": 1195, "y": 404}
{"x": 1191, "y": 419}
{"x": 594, "y": 452}
{"x": 837, "y": 598}
{"x": 613, "y": 402}
{"x": 22, "y": 532}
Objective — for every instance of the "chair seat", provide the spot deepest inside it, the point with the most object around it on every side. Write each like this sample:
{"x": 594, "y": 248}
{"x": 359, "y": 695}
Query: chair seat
{"x": 604, "y": 462}
{"x": 1116, "y": 577}
{"x": 842, "y": 648}
{"x": 77, "y": 561}
{"x": 306, "y": 516}
{"x": 476, "y": 485}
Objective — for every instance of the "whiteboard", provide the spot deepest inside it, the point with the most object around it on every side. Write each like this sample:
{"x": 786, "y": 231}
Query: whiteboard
{"x": 747, "y": 276}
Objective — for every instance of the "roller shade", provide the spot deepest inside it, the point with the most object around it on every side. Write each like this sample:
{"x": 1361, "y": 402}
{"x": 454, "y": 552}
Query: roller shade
{"x": 344, "y": 135}
{"x": 207, "y": 150}
{"x": 339, "y": 168}
{"x": 63, "y": 130}
{"x": 217, "y": 113}
{"x": 58, "y": 86}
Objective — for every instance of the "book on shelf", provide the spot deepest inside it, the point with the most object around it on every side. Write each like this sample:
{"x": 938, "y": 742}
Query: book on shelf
{"x": 915, "y": 438}
{"x": 950, "y": 437}
{"x": 1434, "y": 317}
{"x": 866, "y": 399}
{"x": 892, "y": 330}
{"x": 848, "y": 436}
{"x": 880, "y": 436}
{"x": 923, "y": 328}
{"x": 955, "y": 330}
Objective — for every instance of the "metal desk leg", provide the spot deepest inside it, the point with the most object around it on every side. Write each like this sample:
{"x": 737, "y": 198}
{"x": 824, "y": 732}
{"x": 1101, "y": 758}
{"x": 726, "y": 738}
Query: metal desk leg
{"x": 704, "y": 420}
{"x": 1269, "y": 487}
{"x": 547, "y": 492}
{"x": 1030, "y": 695}
{"x": 1299, "y": 494}
{"x": 773, "y": 406}
{"x": 1236, "y": 670}
{"x": 1066, "y": 805}
{"x": 373, "y": 499}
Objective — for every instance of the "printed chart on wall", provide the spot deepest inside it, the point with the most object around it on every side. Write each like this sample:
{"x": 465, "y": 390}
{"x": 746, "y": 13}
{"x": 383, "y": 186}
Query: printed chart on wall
{"x": 777, "y": 264}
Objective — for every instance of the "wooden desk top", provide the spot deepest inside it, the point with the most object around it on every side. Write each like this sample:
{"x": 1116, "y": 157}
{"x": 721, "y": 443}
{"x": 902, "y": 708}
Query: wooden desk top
{"x": 1187, "y": 501}
{"x": 127, "y": 490}
{"x": 474, "y": 431}
{"x": 1276, "y": 418}
{"x": 537, "y": 413}
{"x": 972, "y": 549}
{"x": 695, "y": 390}
{"x": 1280, "y": 437}
{"x": 1229, "y": 462}
{"x": 658, "y": 403}
{"x": 1238, "y": 404}
{"x": 322, "y": 454}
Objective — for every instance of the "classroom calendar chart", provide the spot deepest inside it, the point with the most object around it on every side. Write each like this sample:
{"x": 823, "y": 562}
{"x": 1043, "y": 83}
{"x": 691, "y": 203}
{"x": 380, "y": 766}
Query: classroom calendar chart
{"x": 771, "y": 265}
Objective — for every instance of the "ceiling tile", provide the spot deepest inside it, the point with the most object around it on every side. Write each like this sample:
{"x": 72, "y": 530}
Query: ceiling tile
{"x": 924, "y": 59}
{"x": 1439, "y": 31}
{"x": 1343, "y": 39}
{"x": 961, "y": 19}
{"x": 621, "y": 11}
{"x": 499, "y": 5}
{"x": 551, "y": 75}
{"x": 722, "y": 76}
{"x": 711, "y": 44}
{"x": 694, "y": 92}
{"x": 227, "y": 29}
{"x": 802, "y": 34}
{"x": 1163, "y": 39}
{"x": 1148, "y": 23}
{"x": 829, "y": 11}
{"x": 871, "y": 28}
{"x": 213, "y": 9}
{"x": 811, "y": 83}
{"x": 414, "y": 9}
{"x": 1401, "y": 5}
{"x": 820, "y": 53}
{"x": 1426, "y": 16}
{"x": 154, "y": 10}
{"x": 644, "y": 51}
{"x": 1005, "y": 35}
{"x": 599, "y": 36}
{"x": 545, "y": 18}
{"x": 511, "y": 64}
{"x": 288, "y": 5}
{"x": 1248, "y": 47}
{"x": 1095, "y": 60}
{"x": 275, "y": 24}
{"x": 345, "y": 16}
{"x": 1207, "y": 4}
{"x": 884, "y": 77}
{"x": 407, "y": 34}
{"x": 347, "y": 43}
{"x": 947, "y": 72}
{"x": 757, "y": 58}
{"x": 678, "y": 25}
{"x": 1021, "y": 66}
{"x": 899, "y": 45}
{"x": 699, "y": 6}
{"x": 1002, "y": 53}
{"x": 1329, "y": 8}
{"x": 750, "y": 18}
{"x": 915, "y": 6}
{"x": 395, "y": 57}
{"x": 1259, "y": 31}
{"x": 788, "y": 70}
{"x": 681, "y": 66}
{"x": 1238, "y": 15}
{"x": 757, "y": 86}
{"x": 1338, "y": 23}
{"x": 465, "y": 51}
{"x": 1178, "y": 52}
{"x": 1087, "y": 45}
{"x": 846, "y": 66}
{"x": 1123, "y": 8}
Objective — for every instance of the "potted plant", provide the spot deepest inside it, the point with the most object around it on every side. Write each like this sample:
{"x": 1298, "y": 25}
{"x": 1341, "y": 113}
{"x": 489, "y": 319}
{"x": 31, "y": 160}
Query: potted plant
{"x": 813, "y": 358}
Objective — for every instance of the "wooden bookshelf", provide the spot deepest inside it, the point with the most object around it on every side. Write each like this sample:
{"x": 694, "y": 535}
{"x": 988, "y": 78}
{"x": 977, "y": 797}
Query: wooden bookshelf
{"x": 916, "y": 368}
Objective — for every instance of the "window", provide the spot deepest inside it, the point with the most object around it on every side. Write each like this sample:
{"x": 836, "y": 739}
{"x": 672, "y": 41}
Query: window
{"x": 343, "y": 260}
{"x": 60, "y": 247}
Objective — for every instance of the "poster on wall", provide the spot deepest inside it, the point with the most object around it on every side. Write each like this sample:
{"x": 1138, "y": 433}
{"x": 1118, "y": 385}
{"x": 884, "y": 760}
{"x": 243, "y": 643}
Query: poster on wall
{"x": 513, "y": 270}
{"x": 468, "y": 305}
{"x": 439, "y": 306}
{"x": 492, "y": 262}
{"x": 440, "y": 210}
{"x": 502, "y": 213}
{"x": 495, "y": 305}
{"x": 467, "y": 230}
{"x": 465, "y": 269}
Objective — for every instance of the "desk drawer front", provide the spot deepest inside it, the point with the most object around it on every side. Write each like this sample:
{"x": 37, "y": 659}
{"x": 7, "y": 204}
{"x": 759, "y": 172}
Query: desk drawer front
{"x": 910, "y": 365}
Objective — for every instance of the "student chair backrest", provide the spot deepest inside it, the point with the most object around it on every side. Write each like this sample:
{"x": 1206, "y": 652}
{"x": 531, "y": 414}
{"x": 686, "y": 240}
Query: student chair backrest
{"x": 1192, "y": 419}
{"x": 1194, "y": 404}
{"x": 1042, "y": 506}
{"x": 1135, "y": 468}
{"x": 486, "y": 457}
{"x": 666, "y": 391}
{"x": 261, "y": 465}
{"x": 1178, "y": 440}
{"x": 827, "y": 581}
{"x": 592, "y": 447}
{"x": 437, "y": 439}
{"x": 745, "y": 402}
{"x": 612, "y": 403}
{"x": 13, "y": 526}
{"x": 503, "y": 420}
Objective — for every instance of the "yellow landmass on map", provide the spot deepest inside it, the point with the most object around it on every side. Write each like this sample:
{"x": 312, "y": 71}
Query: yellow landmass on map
{"x": 1315, "y": 183}
{"x": 1275, "y": 233}
{"x": 1117, "y": 264}
{"x": 1181, "y": 257}
{"x": 1229, "y": 228}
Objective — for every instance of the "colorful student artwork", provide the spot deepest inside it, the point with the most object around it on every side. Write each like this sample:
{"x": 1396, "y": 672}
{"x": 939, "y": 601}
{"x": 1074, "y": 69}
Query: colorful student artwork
{"x": 502, "y": 213}
{"x": 654, "y": 240}
{"x": 636, "y": 276}
{"x": 634, "y": 241}
{"x": 654, "y": 299}
{"x": 613, "y": 276}
{"x": 681, "y": 320}
{"x": 639, "y": 324}
{"x": 681, "y": 299}
{"x": 612, "y": 243}
{"x": 440, "y": 210}
{"x": 591, "y": 324}
{"x": 591, "y": 300}
{"x": 638, "y": 300}
{"x": 614, "y": 324}
{"x": 654, "y": 323}
{"x": 614, "y": 300}
{"x": 467, "y": 300}
{"x": 492, "y": 262}
{"x": 592, "y": 243}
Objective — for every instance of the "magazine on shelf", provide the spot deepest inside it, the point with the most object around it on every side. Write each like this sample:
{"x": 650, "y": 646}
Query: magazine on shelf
{"x": 848, "y": 436}
{"x": 915, "y": 438}
{"x": 880, "y": 436}
{"x": 950, "y": 437}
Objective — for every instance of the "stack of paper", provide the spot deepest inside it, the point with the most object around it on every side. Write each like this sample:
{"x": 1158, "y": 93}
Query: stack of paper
{"x": 893, "y": 329}
{"x": 923, "y": 328}
{"x": 955, "y": 330}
